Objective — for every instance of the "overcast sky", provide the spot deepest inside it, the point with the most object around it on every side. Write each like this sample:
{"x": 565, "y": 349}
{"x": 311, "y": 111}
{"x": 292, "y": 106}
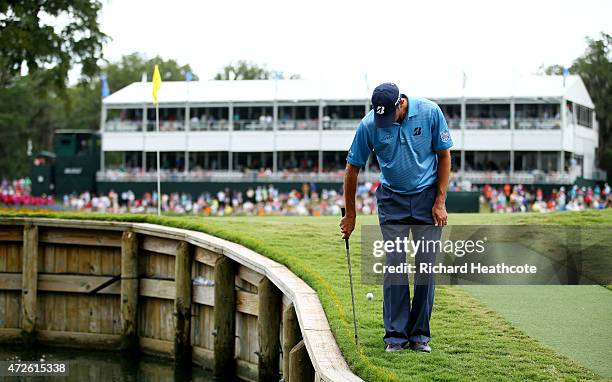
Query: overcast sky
{"x": 386, "y": 39}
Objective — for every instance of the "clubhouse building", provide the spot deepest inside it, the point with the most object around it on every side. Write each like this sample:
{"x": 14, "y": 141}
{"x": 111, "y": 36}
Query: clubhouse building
{"x": 530, "y": 130}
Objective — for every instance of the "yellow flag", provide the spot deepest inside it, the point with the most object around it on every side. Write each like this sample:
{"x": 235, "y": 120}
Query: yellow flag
{"x": 156, "y": 83}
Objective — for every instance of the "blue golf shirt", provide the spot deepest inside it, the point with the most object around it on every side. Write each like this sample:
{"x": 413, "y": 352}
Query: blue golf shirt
{"x": 406, "y": 151}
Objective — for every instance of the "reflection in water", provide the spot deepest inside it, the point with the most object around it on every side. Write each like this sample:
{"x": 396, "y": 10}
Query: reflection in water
{"x": 103, "y": 366}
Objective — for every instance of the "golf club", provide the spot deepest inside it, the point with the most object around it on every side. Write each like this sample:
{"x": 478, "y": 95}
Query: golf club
{"x": 348, "y": 259}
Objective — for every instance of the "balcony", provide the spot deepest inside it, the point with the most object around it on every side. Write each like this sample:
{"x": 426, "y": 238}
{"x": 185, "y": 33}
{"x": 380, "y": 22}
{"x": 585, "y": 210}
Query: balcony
{"x": 298, "y": 124}
{"x": 340, "y": 124}
{"x": 454, "y": 123}
{"x": 166, "y": 126}
{"x": 487, "y": 124}
{"x": 253, "y": 125}
{"x": 537, "y": 124}
{"x": 123, "y": 126}
{"x": 209, "y": 125}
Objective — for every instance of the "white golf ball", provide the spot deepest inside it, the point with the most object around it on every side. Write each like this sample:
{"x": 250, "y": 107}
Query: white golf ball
{"x": 369, "y": 296}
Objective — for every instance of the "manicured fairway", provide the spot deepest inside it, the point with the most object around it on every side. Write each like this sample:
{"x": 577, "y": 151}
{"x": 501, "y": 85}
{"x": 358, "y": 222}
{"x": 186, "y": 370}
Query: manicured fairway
{"x": 471, "y": 339}
{"x": 575, "y": 320}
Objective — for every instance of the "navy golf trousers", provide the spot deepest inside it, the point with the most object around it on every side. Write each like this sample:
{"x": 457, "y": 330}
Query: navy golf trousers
{"x": 398, "y": 216}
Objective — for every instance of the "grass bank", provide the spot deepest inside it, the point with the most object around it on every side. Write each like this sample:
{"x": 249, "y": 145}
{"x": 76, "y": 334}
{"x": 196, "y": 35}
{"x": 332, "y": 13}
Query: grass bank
{"x": 470, "y": 340}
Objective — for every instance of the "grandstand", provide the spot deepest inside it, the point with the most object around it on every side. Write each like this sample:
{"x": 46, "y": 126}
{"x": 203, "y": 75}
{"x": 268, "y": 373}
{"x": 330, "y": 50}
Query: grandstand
{"x": 529, "y": 130}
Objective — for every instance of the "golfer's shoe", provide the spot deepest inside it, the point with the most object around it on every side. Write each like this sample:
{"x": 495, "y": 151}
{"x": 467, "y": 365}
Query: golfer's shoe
{"x": 390, "y": 348}
{"x": 420, "y": 346}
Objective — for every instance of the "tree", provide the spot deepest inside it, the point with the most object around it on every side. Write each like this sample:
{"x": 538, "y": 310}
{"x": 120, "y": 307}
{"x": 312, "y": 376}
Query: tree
{"x": 595, "y": 69}
{"x": 246, "y": 70}
{"x": 84, "y": 98}
{"x": 30, "y": 35}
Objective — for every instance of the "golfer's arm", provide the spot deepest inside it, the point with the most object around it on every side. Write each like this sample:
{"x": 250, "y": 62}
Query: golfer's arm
{"x": 444, "y": 167}
{"x": 350, "y": 187}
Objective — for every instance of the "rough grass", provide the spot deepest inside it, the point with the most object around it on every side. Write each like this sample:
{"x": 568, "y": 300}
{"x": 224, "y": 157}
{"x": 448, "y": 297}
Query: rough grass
{"x": 470, "y": 341}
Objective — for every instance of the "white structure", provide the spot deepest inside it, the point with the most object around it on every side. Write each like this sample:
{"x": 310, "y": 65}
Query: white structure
{"x": 530, "y": 130}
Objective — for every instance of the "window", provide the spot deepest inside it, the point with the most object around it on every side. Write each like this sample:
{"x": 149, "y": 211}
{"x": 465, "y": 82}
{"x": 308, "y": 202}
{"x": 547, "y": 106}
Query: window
{"x": 584, "y": 115}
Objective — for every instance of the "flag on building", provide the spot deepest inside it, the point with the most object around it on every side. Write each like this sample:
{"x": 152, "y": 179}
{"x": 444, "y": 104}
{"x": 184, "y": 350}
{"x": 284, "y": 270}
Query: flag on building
{"x": 156, "y": 83}
{"x": 105, "y": 89}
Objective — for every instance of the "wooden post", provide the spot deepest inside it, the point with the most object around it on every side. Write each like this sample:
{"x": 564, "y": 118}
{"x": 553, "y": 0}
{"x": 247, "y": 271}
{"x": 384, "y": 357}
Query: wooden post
{"x": 268, "y": 322}
{"x": 29, "y": 284}
{"x": 291, "y": 336}
{"x": 300, "y": 367}
{"x": 129, "y": 292}
{"x": 182, "y": 305}
{"x": 225, "y": 319}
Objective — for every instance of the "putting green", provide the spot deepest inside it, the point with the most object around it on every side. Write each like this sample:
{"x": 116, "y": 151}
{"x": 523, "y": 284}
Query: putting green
{"x": 574, "y": 320}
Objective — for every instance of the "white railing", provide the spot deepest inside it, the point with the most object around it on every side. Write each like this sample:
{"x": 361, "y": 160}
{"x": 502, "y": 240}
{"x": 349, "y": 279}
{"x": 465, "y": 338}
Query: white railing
{"x": 340, "y": 124}
{"x": 537, "y": 123}
{"x": 123, "y": 126}
{"x": 298, "y": 124}
{"x": 516, "y": 178}
{"x": 226, "y": 176}
{"x": 487, "y": 123}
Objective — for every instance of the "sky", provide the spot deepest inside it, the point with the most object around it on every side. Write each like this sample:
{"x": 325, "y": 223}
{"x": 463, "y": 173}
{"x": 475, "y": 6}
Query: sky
{"x": 332, "y": 38}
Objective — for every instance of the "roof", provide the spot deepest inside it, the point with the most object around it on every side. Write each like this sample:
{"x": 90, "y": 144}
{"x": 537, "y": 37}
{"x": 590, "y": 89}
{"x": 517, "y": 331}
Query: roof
{"x": 439, "y": 88}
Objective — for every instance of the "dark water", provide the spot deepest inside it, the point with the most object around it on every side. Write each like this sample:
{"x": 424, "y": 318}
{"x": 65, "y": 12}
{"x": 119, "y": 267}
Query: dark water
{"x": 87, "y": 365}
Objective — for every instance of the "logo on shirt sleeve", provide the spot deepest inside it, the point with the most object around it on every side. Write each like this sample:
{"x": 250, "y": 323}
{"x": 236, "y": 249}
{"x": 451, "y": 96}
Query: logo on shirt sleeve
{"x": 444, "y": 136}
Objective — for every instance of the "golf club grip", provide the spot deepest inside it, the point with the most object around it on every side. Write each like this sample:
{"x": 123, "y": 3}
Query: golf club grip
{"x": 343, "y": 211}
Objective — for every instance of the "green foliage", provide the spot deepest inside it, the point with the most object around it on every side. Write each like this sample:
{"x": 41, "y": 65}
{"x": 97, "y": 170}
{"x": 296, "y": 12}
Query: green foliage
{"x": 31, "y": 35}
{"x": 595, "y": 69}
{"x": 31, "y": 108}
{"x": 246, "y": 70}
{"x": 84, "y": 99}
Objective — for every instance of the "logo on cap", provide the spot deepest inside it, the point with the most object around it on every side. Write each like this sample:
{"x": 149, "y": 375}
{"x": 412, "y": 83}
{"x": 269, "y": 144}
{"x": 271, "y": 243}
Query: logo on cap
{"x": 380, "y": 110}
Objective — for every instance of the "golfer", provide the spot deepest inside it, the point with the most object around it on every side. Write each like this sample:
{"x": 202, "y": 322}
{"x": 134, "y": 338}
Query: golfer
{"x": 411, "y": 141}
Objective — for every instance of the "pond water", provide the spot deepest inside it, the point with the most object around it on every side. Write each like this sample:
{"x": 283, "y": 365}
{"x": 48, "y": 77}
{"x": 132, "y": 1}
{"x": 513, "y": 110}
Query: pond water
{"x": 102, "y": 366}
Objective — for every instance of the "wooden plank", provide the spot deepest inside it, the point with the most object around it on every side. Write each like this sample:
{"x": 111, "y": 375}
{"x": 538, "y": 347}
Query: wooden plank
{"x": 246, "y": 370}
{"x": 29, "y": 282}
{"x": 291, "y": 336}
{"x": 14, "y": 256}
{"x": 129, "y": 292}
{"x": 205, "y": 256}
{"x": 224, "y": 319}
{"x": 250, "y": 275}
{"x": 182, "y": 306}
{"x": 78, "y": 339}
{"x": 76, "y": 284}
{"x": 10, "y": 281}
{"x": 157, "y": 288}
{"x": 202, "y": 356}
{"x": 246, "y": 302}
{"x": 10, "y": 336}
{"x": 269, "y": 320}
{"x": 84, "y": 237}
{"x": 8, "y": 233}
{"x": 159, "y": 245}
{"x": 300, "y": 367}
{"x": 156, "y": 347}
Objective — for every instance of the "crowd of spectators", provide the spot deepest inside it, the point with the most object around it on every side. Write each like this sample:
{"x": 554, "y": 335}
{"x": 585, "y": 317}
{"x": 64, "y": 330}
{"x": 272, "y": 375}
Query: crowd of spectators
{"x": 19, "y": 193}
{"x": 519, "y": 198}
{"x": 260, "y": 201}
{"x": 309, "y": 200}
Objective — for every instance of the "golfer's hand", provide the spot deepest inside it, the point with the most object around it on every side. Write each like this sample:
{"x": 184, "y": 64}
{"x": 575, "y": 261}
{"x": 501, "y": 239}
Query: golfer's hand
{"x": 347, "y": 225}
{"x": 438, "y": 212}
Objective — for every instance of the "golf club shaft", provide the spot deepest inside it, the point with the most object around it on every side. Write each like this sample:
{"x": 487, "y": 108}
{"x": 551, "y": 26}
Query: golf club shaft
{"x": 348, "y": 260}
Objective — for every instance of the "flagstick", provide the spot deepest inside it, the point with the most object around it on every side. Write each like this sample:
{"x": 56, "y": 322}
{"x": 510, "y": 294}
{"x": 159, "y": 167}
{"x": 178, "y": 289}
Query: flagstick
{"x": 158, "y": 180}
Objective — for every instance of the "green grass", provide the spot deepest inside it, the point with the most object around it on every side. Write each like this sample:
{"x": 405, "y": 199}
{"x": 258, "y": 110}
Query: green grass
{"x": 470, "y": 340}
